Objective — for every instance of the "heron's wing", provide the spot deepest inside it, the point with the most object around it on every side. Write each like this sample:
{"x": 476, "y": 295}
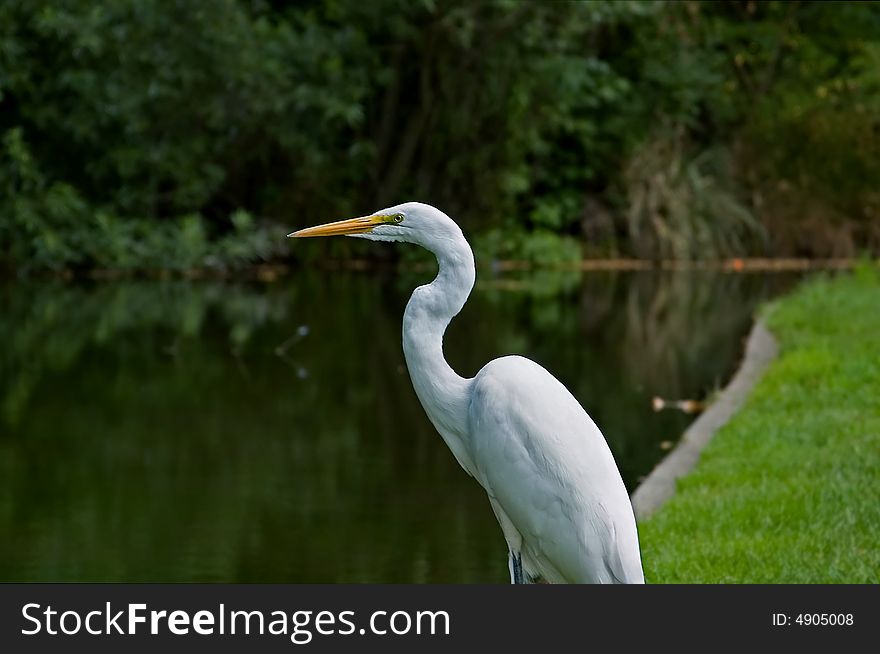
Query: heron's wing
{"x": 544, "y": 461}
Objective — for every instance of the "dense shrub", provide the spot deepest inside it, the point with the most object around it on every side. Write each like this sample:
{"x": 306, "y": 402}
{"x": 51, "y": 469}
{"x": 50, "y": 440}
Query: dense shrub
{"x": 142, "y": 133}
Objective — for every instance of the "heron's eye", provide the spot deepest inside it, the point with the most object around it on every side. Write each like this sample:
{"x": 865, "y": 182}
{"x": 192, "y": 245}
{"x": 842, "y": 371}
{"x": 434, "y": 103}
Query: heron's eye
{"x": 398, "y": 217}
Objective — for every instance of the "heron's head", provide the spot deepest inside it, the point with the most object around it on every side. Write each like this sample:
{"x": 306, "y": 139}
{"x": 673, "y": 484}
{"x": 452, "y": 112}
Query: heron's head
{"x": 410, "y": 222}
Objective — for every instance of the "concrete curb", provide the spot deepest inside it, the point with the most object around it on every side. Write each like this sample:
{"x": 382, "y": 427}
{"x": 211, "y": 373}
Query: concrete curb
{"x": 659, "y": 486}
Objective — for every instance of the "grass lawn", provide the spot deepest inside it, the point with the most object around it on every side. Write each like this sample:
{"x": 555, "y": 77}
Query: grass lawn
{"x": 789, "y": 490}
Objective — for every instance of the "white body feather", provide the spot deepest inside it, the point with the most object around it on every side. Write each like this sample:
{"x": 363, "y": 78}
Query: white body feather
{"x": 549, "y": 473}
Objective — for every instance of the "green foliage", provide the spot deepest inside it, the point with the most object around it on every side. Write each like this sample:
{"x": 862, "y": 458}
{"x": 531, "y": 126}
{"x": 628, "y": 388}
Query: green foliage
{"x": 540, "y": 246}
{"x": 683, "y": 206}
{"x": 785, "y": 493}
{"x": 131, "y": 124}
{"x": 805, "y": 78}
{"x": 50, "y": 225}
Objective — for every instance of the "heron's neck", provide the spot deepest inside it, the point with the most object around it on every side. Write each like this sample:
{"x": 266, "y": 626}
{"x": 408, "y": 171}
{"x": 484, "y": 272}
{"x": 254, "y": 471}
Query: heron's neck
{"x": 442, "y": 392}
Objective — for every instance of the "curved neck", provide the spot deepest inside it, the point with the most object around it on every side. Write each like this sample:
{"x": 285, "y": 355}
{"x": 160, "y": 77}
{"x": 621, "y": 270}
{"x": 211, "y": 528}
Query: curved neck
{"x": 442, "y": 392}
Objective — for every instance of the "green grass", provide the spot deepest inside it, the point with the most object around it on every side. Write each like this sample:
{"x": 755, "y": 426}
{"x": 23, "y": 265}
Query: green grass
{"x": 789, "y": 490}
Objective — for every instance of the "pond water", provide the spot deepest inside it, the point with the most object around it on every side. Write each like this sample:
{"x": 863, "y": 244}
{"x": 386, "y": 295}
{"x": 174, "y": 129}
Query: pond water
{"x": 181, "y": 431}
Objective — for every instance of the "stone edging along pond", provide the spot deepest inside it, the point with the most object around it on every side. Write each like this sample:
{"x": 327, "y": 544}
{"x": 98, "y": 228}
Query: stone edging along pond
{"x": 659, "y": 486}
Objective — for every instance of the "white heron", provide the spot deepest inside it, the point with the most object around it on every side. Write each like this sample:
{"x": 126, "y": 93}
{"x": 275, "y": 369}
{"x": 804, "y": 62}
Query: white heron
{"x": 551, "y": 478}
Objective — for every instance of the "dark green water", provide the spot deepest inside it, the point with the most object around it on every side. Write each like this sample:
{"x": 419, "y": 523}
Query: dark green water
{"x": 174, "y": 431}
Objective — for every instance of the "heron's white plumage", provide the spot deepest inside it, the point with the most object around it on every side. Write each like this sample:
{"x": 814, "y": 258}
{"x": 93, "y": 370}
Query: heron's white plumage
{"x": 549, "y": 474}
{"x": 547, "y": 466}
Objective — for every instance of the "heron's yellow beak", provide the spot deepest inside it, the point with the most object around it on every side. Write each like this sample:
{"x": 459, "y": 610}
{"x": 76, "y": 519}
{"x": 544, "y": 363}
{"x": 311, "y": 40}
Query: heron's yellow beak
{"x": 342, "y": 227}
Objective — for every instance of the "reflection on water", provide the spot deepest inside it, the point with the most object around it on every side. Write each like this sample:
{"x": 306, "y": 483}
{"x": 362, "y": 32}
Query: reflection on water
{"x": 170, "y": 431}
